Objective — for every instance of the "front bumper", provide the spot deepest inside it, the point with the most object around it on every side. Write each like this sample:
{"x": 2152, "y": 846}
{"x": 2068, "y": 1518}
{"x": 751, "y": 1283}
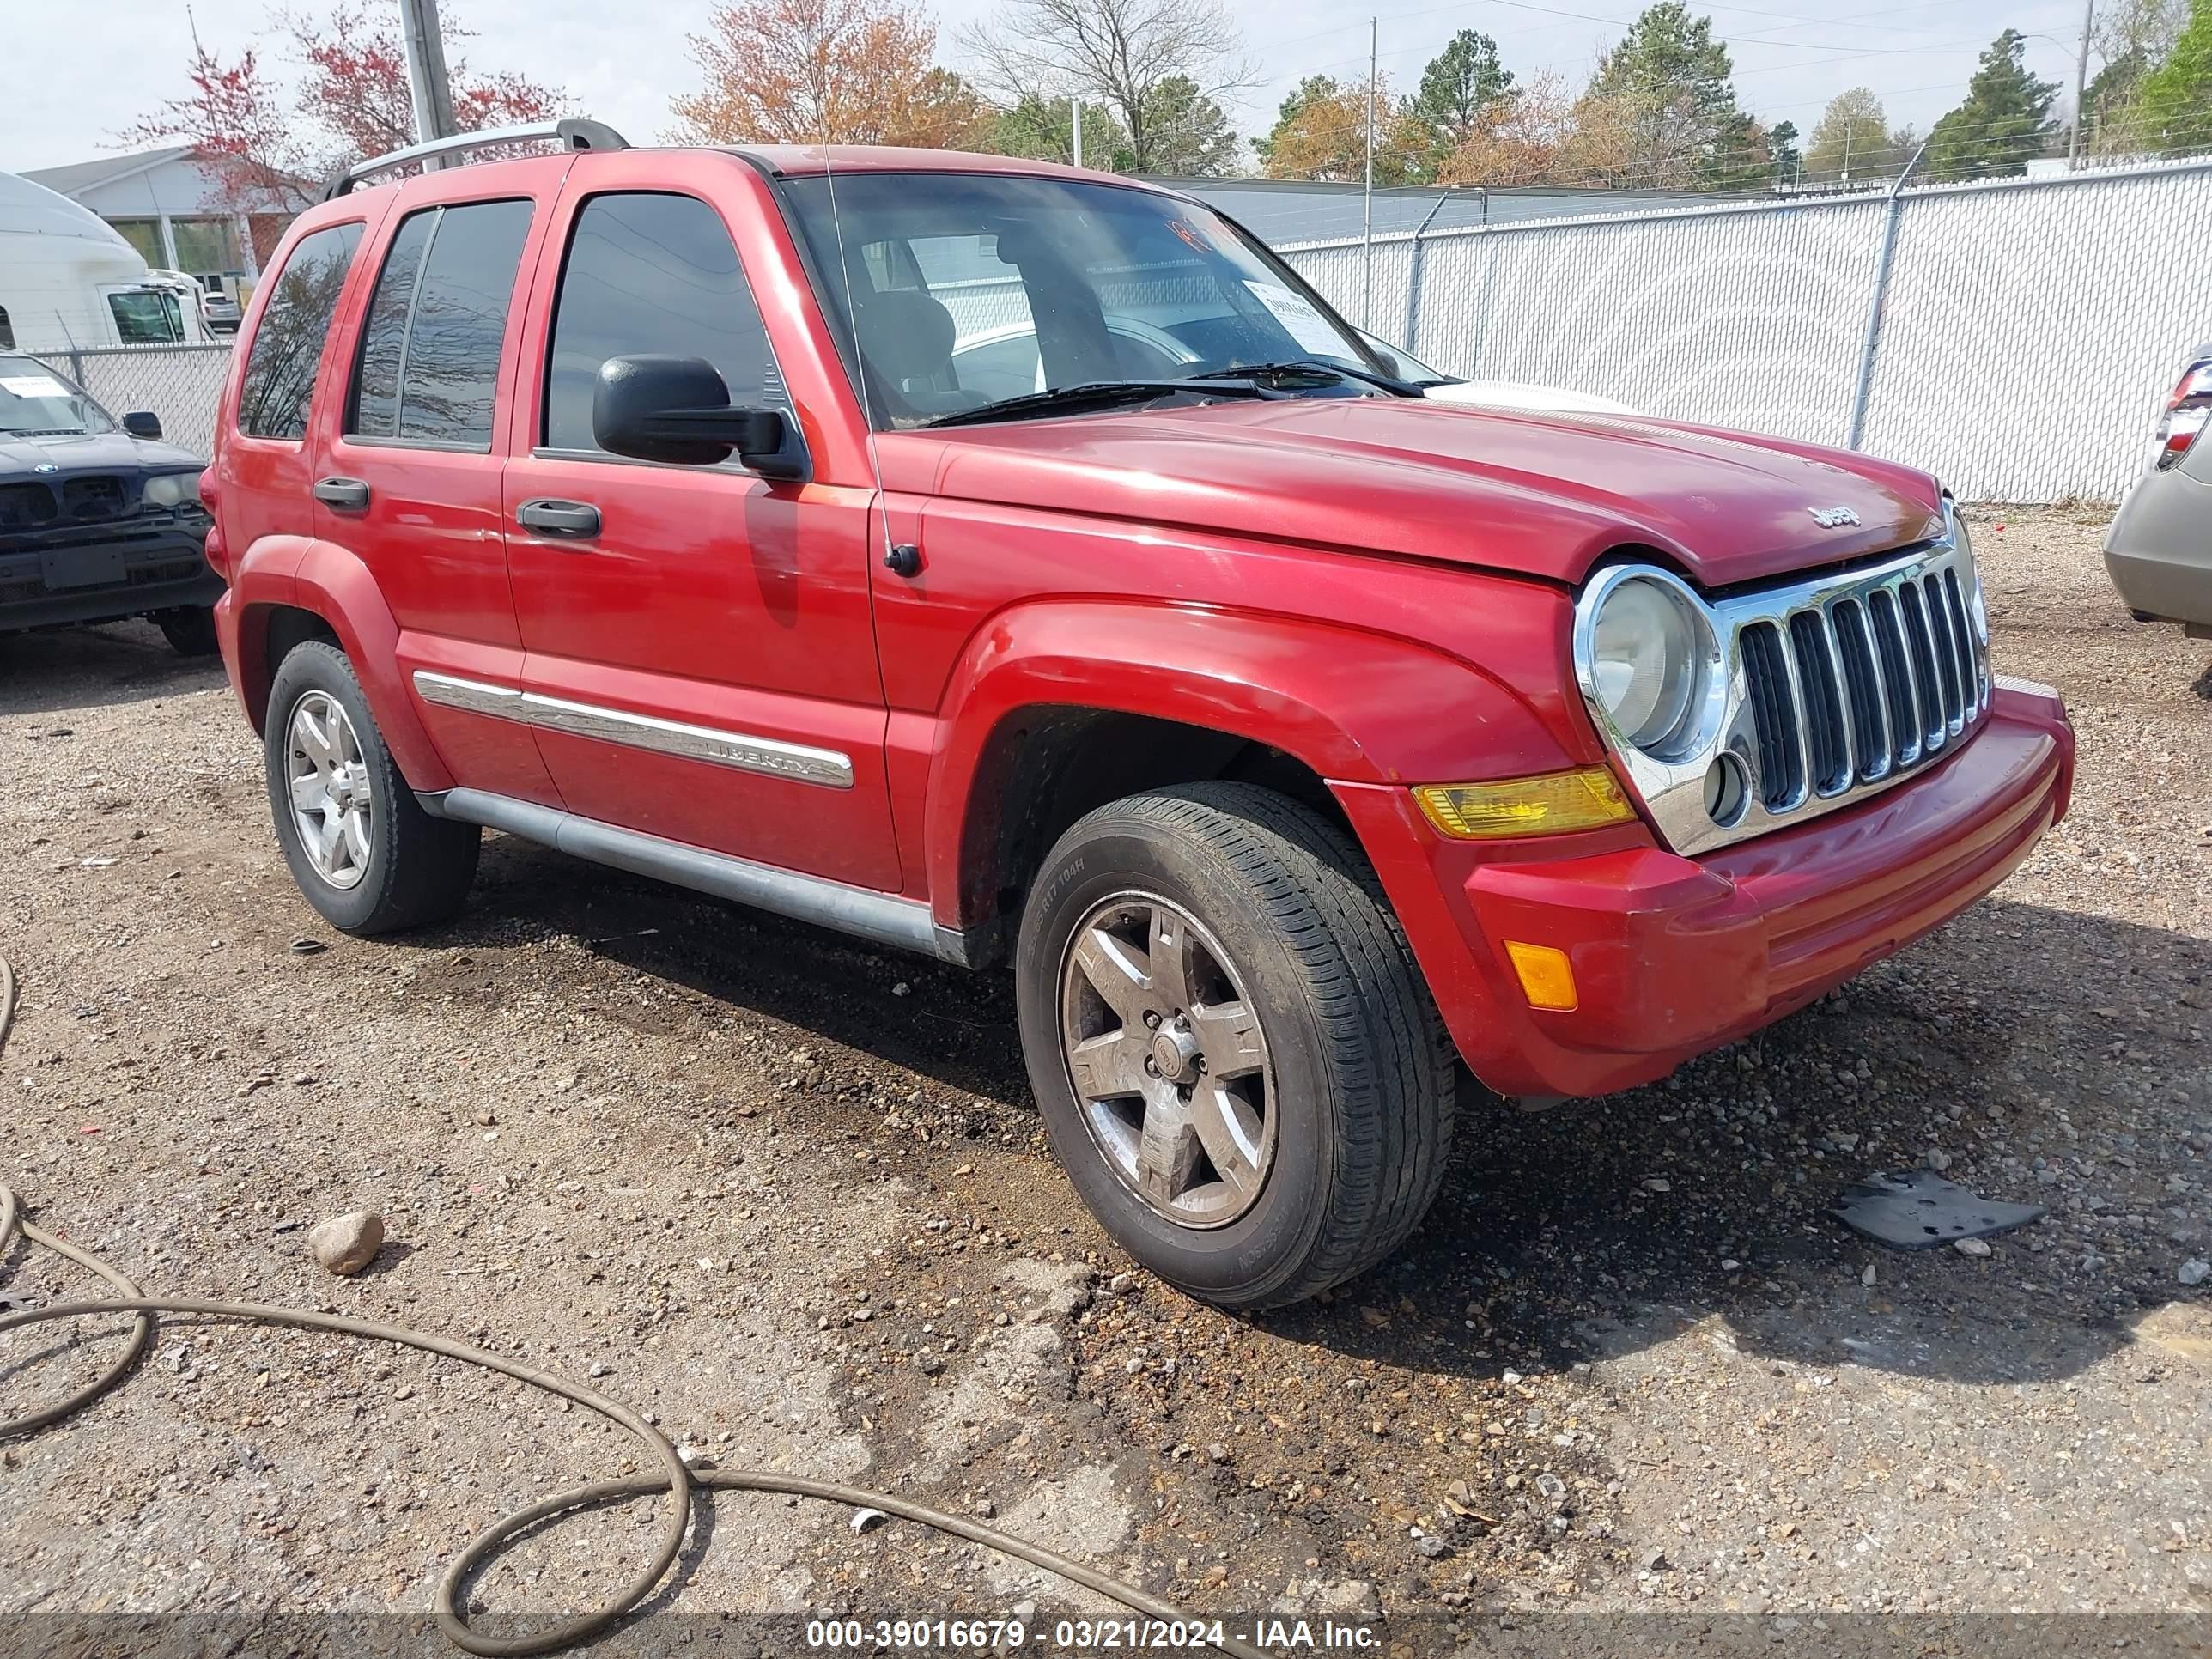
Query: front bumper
{"x": 1674, "y": 956}
{"x": 124, "y": 570}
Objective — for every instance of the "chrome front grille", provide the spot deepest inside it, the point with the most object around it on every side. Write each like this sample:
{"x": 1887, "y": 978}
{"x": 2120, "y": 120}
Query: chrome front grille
{"x": 1818, "y": 692}
{"x": 1831, "y": 712}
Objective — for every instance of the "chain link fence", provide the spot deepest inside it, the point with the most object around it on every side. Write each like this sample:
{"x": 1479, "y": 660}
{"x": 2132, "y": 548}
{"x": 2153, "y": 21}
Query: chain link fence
{"x": 2013, "y": 337}
{"x": 180, "y": 383}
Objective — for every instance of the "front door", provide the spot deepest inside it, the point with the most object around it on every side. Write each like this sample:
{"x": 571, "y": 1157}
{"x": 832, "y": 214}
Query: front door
{"x": 700, "y": 661}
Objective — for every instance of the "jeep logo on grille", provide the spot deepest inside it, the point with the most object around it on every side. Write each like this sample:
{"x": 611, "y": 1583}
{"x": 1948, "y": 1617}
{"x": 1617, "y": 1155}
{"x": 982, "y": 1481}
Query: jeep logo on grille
{"x": 1832, "y": 518}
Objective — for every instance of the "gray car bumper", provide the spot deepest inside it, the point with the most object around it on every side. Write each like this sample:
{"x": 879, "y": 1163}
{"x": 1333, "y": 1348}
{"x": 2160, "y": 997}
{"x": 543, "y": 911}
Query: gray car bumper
{"x": 2159, "y": 549}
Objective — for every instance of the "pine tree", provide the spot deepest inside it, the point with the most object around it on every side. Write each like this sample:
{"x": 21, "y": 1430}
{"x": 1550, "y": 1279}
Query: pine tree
{"x": 1460, "y": 92}
{"x": 2004, "y": 121}
{"x": 1675, "y": 78}
{"x": 1191, "y": 134}
{"x": 1781, "y": 151}
{"x": 1043, "y": 129}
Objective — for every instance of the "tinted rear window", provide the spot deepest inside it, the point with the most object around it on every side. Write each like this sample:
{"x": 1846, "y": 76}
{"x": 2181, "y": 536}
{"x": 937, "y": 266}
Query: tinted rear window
{"x": 383, "y": 336}
{"x": 430, "y": 351}
{"x": 454, "y": 321}
{"x": 280, "y": 370}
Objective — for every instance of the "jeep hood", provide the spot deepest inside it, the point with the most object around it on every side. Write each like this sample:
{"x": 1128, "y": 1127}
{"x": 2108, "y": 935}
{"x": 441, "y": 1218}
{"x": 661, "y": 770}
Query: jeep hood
{"x": 1540, "y": 494}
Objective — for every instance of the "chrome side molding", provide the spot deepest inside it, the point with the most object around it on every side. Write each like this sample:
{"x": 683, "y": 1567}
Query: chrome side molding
{"x": 882, "y": 918}
{"x": 770, "y": 756}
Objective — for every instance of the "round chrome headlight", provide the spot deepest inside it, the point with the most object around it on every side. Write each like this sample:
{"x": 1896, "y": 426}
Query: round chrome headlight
{"x": 172, "y": 489}
{"x": 1647, "y": 663}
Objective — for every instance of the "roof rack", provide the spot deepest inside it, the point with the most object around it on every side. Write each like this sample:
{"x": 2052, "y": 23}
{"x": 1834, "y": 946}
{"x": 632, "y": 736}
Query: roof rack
{"x": 573, "y": 135}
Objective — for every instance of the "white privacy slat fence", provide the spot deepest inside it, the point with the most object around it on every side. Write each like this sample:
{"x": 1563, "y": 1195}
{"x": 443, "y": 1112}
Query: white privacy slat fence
{"x": 2025, "y": 333}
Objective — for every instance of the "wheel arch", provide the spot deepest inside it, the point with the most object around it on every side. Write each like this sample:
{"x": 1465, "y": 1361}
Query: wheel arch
{"x": 1028, "y": 732}
{"x": 289, "y": 589}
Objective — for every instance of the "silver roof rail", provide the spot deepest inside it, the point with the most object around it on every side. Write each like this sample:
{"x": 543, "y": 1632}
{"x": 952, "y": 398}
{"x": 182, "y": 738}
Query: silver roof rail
{"x": 573, "y": 134}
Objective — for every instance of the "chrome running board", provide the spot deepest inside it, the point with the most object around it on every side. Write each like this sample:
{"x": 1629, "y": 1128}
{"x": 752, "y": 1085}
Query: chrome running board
{"x": 882, "y": 918}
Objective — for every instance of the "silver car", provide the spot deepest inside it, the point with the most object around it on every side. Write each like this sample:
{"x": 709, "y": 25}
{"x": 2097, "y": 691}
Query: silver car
{"x": 2159, "y": 549}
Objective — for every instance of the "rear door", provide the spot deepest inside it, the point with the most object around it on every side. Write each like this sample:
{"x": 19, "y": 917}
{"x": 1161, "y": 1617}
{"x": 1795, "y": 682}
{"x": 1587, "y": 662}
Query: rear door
{"x": 409, "y": 478}
{"x": 701, "y": 660}
{"x": 264, "y": 464}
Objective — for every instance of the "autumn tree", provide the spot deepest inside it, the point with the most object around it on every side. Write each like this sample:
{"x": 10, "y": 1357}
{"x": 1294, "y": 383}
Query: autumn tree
{"x": 826, "y": 72}
{"x": 1321, "y": 133}
{"x": 270, "y": 143}
{"x": 1522, "y": 142}
{"x": 1850, "y": 140}
{"x": 1135, "y": 58}
{"x": 2003, "y": 121}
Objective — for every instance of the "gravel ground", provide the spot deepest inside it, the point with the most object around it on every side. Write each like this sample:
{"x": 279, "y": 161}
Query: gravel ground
{"x": 789, "y": 1196}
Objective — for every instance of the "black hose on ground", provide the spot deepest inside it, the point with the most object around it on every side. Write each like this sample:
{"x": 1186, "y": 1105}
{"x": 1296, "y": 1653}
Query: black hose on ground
{"x": 678, "y": 1481}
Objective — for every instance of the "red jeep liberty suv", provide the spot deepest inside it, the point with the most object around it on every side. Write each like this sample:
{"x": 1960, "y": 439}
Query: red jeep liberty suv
{"x": 998, "y": 561}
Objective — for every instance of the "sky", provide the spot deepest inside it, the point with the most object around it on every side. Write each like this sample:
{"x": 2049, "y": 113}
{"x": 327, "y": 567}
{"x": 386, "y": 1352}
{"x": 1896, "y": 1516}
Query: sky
{"x": 65, "y": 104}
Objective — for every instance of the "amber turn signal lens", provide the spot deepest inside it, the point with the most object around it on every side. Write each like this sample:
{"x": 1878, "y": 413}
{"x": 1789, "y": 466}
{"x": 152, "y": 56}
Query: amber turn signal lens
{"x": 1547, "y": 978}
{"x": 1586, "y": 799}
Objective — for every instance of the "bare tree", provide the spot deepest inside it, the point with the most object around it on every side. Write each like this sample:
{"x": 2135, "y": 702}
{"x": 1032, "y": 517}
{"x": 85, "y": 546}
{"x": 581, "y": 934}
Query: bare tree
{"x": 1122, "y": 53}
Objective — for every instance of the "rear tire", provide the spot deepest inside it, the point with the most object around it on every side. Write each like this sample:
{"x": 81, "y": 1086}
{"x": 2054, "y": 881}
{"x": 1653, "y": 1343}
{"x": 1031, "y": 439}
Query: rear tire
{"x": 364, "y": 852}
{"x": 1236, "y": 1058}
{"x": 189, "y": 629}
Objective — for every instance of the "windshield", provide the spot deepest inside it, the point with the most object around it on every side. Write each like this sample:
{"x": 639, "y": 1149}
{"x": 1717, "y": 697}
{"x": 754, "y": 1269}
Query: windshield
{"x": 35, "y": 402}
{"x": 968, "y": 289}
{"x": 1404, "y": 364}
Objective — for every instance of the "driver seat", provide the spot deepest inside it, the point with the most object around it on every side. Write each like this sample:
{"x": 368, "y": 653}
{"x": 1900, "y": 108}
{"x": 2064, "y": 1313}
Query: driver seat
{"x": 906, "y": 339}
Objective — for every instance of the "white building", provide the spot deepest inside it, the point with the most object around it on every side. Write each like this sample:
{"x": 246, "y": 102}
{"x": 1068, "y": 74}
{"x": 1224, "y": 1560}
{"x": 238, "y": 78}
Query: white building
{"x": 171, "y": 210}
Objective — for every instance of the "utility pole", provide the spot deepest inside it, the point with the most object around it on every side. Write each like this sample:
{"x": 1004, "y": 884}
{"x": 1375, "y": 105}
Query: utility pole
{"x": 2081, "y": 85}
{"x": 1075, "y": 114}
{"x": 1848, "y": 123}
{"x": 1367, "y": 196}
{"x": 426, "y": 72}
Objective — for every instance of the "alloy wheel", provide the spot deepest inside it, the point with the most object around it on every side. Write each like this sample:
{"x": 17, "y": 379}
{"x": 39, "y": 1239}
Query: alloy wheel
{"x": 1168, "y": 1059}
{"x": 331, "y": 799}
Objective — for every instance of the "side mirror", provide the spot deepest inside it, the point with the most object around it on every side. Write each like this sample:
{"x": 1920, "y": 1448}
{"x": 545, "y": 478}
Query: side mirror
{"x": 656, "y": 408}
{"x": 143, "y": 423}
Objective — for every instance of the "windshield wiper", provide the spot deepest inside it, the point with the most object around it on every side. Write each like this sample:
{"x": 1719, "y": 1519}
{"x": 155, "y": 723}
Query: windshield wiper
{"x": 1337, "y": 371}
{"x": 1102, "y": 394}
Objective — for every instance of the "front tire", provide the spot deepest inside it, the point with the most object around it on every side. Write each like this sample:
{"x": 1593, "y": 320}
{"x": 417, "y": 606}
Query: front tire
{"x": 364, "y": 852}
{"x": 1238, "y": 1060}
{"x": 189, "y": 629}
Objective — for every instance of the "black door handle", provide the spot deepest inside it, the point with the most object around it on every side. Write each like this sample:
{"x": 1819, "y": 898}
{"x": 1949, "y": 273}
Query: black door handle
{"x": 551, "y": 518}
{"x": 351, "y": 494}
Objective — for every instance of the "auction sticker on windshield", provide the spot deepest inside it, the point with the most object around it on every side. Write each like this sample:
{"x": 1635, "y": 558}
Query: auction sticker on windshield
{"x": 1305, "y": 325}
{"x": 32, "y": 386}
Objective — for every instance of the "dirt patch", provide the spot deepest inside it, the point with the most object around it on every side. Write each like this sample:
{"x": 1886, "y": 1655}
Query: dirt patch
{"x": 789, "y": 1193}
